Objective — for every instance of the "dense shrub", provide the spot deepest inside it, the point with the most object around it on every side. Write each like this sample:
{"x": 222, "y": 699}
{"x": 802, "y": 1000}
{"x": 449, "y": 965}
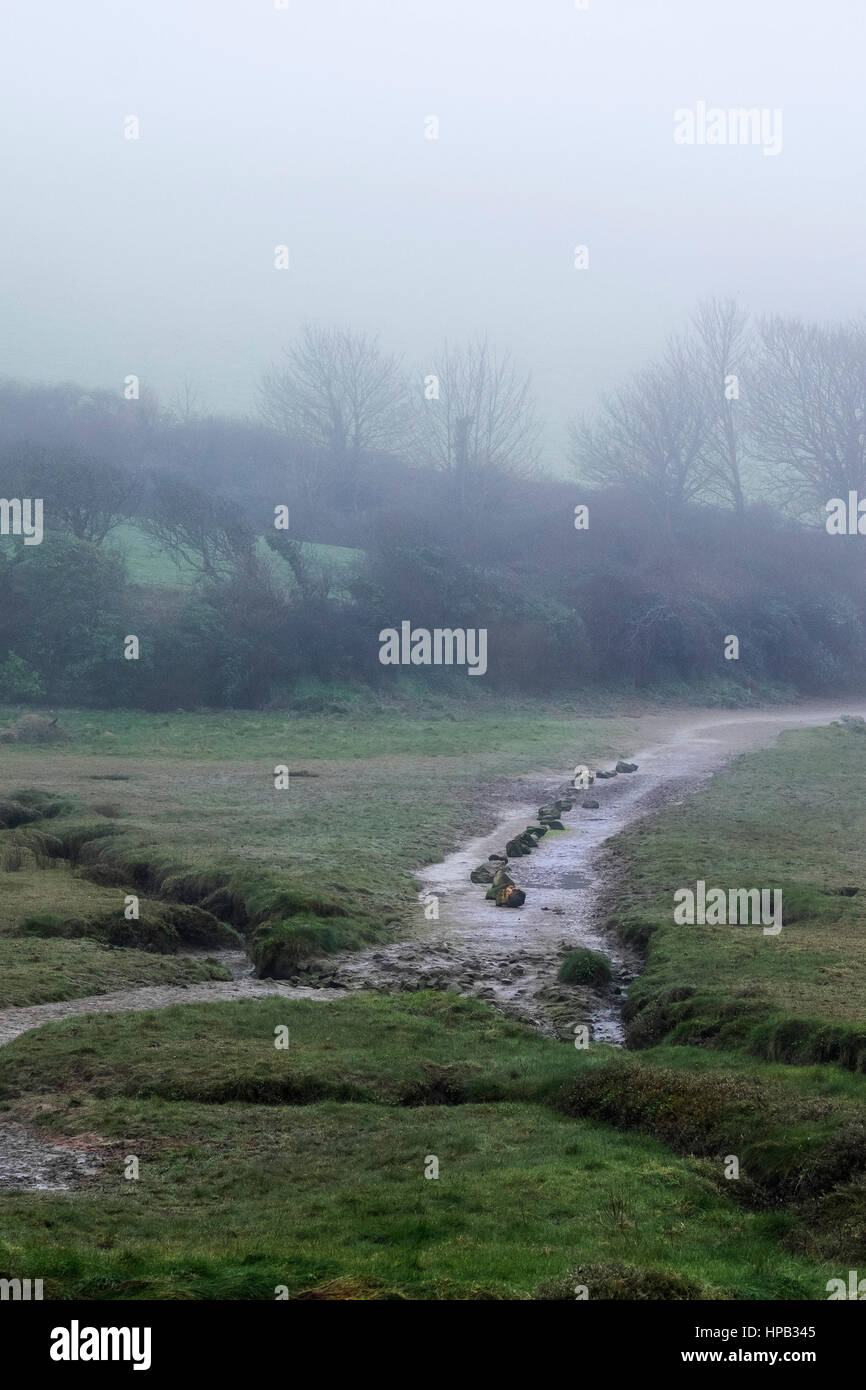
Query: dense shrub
{"x": 618, "y": 604}
{"x": 161, "y": 928}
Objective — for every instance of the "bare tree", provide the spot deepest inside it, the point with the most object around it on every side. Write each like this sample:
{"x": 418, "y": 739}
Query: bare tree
{"x": 183, "y": 407}
{"x": 483, "y": 419}
{"x": 808, "y": 410}
{"x": 83, "y": 494}
{"x": 722, "y": 343}
{"x": 650, "y": 436}
{"x": 204, "y": 533}
{"x": 337, "y": 389}
{"x": 312, "y": 580}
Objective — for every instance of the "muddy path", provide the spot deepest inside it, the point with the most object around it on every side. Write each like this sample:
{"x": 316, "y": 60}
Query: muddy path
{"x": 510, "y": 957}
{"x": 507, "y": 957}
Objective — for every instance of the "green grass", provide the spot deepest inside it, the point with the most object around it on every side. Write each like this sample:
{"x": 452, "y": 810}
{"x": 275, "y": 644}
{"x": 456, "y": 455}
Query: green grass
{"x": 585, "y": 967}
{"x": 28, "y": 892}
{"x": 514, "y": 731}
{"x": 38, "y": 966}
{"x": 147, "y": 562}
{"x": 193, "y": 808}
{"x": 792, "y": 817}
{"x": 304, "y": 1167}
{"x": 237, "y": 1197}
{"x": 40, "y": 972}
{"x": 408, "y": 1050}
{"x": 794, "y": 1139}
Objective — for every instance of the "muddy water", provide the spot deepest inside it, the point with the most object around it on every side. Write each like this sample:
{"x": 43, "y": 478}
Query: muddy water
{"x": 508, "y": 957}
{"x": 29, "y": 1163}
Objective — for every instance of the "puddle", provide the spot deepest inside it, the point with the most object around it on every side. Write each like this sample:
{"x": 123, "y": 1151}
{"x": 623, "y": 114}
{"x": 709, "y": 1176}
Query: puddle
{"x": 572, "y": 880}
{"x": 31, "y": 1164}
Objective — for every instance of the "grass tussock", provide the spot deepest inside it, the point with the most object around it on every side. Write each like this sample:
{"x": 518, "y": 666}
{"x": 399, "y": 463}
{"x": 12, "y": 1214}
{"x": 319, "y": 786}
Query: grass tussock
{"x": 791, "y": 1143}
{"x": 33, "y": 728}
{"x": 585, "y": 967}
{"x": 163, "y": 928}
{"x": 620, "y": 1281}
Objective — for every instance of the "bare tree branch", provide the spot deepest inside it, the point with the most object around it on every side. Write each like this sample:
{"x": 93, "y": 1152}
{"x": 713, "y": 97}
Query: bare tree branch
{"x": 651, "y": 436}
{"x": 808, "y": 411}
{"x": 338, "y": 390}
{"x": 484, "y": 420}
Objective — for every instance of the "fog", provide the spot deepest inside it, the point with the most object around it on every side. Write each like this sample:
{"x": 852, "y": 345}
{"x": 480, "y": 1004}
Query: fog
{"x": 305, "y": 127}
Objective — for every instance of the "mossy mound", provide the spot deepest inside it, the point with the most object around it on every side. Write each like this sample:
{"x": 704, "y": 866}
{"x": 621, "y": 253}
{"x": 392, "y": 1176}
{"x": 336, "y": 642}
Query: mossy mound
{"x": 33, "y": 728}
{"x": 616, "y": 1280}
{"x": 162, "y": 928}
{"x": 278, "y": 947}
{"x": 585, "y": 967}
{"x": 22, "y": 807}
{"x": 27, "y": 849}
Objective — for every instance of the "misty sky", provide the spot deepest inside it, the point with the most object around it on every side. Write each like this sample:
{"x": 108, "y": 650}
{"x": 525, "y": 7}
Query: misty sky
{"x": 305, "y": 126}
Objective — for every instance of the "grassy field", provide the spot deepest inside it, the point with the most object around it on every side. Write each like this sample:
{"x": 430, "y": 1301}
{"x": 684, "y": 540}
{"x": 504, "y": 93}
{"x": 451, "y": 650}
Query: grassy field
{"x": 793, "y": 818}
{"x": 37, "y": 970}
{"x": 186, "y": 804}
{"x": 304, "y": 1167}
{"x": 147, "y": 562}
{"x": 750, "y": 1044}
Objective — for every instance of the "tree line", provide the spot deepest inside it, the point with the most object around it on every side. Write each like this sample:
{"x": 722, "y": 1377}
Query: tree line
{"x": 705, "y": 475}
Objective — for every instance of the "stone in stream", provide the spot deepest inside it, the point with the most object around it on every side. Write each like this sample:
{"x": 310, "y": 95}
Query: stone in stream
{"x": 521, "y": 844}
{"x": 510, "y": 897}
{"x": 502, "y": 857}
{"x": 626, "y": 767}
{"x": 483, "y": 874}
{"x": 590, "y": 805}
{"x": 538, "y": 830}
{"x": 605, "y": 775}
{"x": 548, "y": 813}
{"x": 555, "y": 825}
{"x": 501, "y": 879}
{"x": 565, "y": 805}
